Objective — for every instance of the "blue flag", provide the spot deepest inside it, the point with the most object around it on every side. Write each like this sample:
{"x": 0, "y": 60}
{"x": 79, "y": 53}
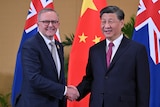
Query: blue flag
{"x": 30, "y": 29}
{"x": 147, "y": 32}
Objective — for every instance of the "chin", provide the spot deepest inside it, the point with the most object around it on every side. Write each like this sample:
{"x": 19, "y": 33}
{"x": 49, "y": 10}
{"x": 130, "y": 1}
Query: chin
{"x": 108, "y": 35}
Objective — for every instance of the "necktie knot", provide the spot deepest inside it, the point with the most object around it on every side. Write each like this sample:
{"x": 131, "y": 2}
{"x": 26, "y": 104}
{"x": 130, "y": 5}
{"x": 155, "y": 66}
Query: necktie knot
{"x": 52, "y": 44}
{"x": 111, "y": 45}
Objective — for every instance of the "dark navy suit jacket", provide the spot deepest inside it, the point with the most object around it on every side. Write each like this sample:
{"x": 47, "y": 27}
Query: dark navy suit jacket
{"x": 124, "y": 84}
{"x": 41, "y": 86}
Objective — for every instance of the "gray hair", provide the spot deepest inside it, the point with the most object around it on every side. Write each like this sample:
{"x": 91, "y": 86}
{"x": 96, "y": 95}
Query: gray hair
{"x": 44, "y": 10}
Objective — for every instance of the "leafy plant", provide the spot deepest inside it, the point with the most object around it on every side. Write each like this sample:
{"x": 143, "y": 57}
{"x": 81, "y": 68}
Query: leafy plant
{"x": 66, "y": 61}
{"x": 129, "y": 27}
{"x": 68, "y": 40}
{"x": 4, "y": 100}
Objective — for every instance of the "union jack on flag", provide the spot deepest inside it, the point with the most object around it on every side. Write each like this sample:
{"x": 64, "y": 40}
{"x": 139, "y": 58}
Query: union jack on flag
{"x": 147, "y": 32}
{"x": 30, "y": 29}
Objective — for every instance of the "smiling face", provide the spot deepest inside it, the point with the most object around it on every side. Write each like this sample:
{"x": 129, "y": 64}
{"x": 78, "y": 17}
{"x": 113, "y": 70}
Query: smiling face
{"x": 48, "y": 24}
{"x": 111, "y": 26}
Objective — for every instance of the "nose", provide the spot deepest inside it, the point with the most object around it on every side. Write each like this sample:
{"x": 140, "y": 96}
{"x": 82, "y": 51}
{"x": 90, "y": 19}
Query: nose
{"x": 107, "y": 25}
{"x": 50, "y": 24}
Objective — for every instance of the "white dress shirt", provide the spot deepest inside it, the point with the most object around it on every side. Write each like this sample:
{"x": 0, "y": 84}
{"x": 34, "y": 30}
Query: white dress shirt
{"x": 116, "y": 43}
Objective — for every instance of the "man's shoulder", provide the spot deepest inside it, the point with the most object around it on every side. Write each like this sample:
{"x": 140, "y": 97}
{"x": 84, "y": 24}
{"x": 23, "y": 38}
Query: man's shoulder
{"x": 100, "y": 45}
{"x": 136, "y": 44}
{"x": 32, "y": 40}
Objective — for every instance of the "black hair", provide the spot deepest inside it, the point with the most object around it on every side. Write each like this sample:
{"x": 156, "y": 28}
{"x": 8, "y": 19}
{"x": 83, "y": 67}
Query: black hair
{"x": 113, "y": 9}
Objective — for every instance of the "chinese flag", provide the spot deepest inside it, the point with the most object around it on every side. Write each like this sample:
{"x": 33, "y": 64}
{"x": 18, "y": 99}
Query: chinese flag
{"x": 88, "y": 33}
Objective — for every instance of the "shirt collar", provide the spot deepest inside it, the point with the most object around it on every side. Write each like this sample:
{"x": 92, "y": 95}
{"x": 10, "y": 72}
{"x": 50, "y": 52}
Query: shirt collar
{"x": 116, "y": 41}
{"x": 47, "y": 41}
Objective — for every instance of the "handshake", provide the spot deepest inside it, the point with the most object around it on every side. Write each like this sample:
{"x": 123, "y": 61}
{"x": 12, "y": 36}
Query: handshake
{"x": 72, "y": 93}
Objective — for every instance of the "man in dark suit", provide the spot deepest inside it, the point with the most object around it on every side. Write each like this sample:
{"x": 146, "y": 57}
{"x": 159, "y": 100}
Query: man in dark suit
{"x": 43, "y": 76}
{"x": 123, "y": 81}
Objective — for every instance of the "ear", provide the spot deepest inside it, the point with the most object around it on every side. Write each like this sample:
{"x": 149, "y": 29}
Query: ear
{"x": 122, "y": 23}
{"x": 37, "y": 23}
{"x": 58, "y": 24}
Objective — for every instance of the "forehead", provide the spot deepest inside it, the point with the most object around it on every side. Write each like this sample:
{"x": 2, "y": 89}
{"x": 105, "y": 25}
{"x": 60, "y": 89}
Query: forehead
{"x": 49, "y": 15}
{"x": 109, "y": 16}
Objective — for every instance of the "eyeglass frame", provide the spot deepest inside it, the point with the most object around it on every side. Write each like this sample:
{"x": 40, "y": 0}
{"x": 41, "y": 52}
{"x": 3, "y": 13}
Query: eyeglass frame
{"x": 47, "y": 22}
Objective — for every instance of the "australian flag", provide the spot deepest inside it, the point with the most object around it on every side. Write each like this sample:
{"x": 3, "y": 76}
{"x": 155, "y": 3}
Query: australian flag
{"x": 30, "y": 29}
{"x": 147, "y": 32}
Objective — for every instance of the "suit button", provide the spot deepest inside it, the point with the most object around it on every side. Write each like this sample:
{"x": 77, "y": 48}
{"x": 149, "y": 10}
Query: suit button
{"x": 106, "y": 77}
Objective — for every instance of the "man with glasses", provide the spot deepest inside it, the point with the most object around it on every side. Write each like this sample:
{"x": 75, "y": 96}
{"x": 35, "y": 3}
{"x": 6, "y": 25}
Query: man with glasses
{"x": 43, "y": 66}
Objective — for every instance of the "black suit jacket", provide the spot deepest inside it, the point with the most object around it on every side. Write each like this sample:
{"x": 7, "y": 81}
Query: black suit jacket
{"x": 41, "y": 86}
{"x": 125, "y": 84}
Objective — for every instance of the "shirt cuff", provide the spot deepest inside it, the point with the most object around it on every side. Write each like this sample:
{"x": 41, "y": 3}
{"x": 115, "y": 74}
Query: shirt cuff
{"x": 65, "y": 90}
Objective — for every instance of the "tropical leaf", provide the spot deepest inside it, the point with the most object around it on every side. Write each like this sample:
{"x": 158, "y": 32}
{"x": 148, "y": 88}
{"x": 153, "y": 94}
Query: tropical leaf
{"x": 68, "y": 40}
{"x": 4, "y": 100}
{"x": 129, "y": 27}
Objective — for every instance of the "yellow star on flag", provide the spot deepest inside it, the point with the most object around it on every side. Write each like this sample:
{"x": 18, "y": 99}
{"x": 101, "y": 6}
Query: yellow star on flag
{"x": 88, "y": 4}
{"x": 96, "y": 39}
{"x": 82, "y": 38}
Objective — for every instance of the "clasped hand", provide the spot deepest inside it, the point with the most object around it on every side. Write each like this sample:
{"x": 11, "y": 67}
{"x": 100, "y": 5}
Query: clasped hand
{"x": 72, "y": 93}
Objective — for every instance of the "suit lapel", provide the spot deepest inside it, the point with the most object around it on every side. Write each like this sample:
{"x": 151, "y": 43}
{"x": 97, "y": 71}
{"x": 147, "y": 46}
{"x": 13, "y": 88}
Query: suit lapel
{"x": 121, "y": 49}
{"x": 103, "y": 53}
{"x": 59, "y": 50}
{"x": 100, "y": 54}
{"x": 60, "y": 53}
{"x": 46, "y": 51}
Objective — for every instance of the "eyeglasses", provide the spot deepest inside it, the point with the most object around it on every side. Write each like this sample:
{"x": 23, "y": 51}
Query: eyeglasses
{"x": 47, "y": 22}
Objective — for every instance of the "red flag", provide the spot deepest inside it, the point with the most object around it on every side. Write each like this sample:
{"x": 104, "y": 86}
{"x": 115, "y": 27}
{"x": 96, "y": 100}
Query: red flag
{"x": 30, "y": 29}
{"x": 87, "y": 34}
